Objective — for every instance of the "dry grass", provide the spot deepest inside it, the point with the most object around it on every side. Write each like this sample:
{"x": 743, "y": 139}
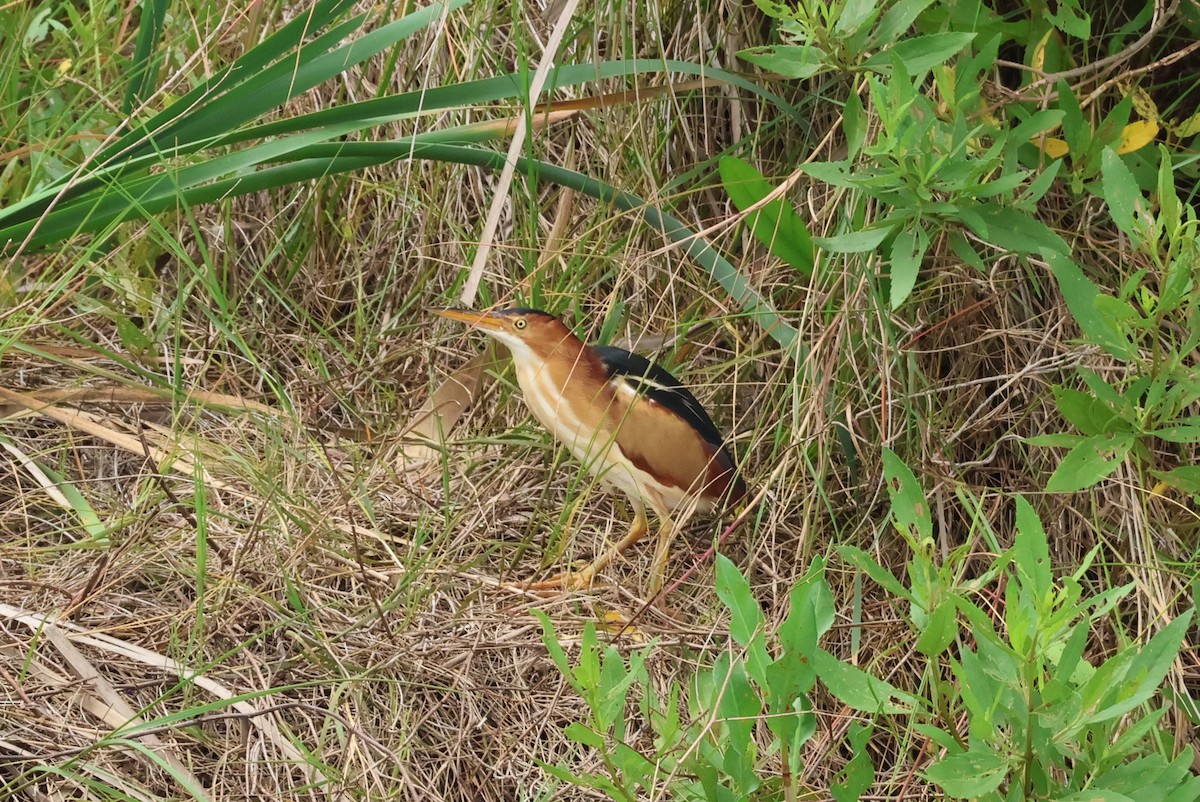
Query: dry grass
{"x": 272, "y": 603}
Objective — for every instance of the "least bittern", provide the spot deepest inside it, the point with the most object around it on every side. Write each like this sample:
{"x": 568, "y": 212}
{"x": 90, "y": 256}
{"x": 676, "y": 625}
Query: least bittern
{"x": 629, "y": 421}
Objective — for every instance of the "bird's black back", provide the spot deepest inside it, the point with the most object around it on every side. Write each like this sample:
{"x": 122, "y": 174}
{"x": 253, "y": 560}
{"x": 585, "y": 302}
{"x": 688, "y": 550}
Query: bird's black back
{"x": 657, "y": 384}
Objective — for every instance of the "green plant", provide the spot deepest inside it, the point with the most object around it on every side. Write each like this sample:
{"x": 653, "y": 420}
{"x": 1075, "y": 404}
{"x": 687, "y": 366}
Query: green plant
{"x": 707, "y": 749}
{"x": 1153, "y": 325}
{"x": 850, "y": 35}
{"x": 1043, "y": 721}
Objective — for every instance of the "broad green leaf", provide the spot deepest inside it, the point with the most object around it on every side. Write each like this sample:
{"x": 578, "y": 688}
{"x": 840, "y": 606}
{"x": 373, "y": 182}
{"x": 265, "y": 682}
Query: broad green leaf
{"x": 587, "y": 672}
{"x": 854, "y": 124}
{"x": 1075, "y": 130}
{"x": 898, "y": 18}
{"x": 585, "y": 735}
{"x": 1031, "y": 552}
{"x": 939, "y": 630}
{"x": 855, "y": 15}
{"x": 908, "y": 251}
{"x": 1185, "y": 479}
{"x": 1126, "y": 204}
{"x": 859, "y": 690}
{"x": 1080, "y": 294}
{"x": 859, "y": 773}
{"x": 776, "y": 225}
{"x": 1178, "y": 434}
{"x": 790, "y": 61}
{"x": 1170, "y": 210}
{"x": 1097, "y": 795}
{"x": 882, "y": 576}
{"x": 550, "y": 640}
{"x": 1087, "y": 413}
{"x": 1088, "y": 462}
{"x": 1069, "y": 18}
{"x": 910, "y": 511}
{"x": 855, "y": 241}
{"x": 612, "y": 688}
{"x": 1147, "y": 669}
{"x": 810, "y": 612}
{"x": 1054, "y": 440}
{"x": 1014, "y": 230}
{"x": 920, "y": 53}
{"x": 970, "y": 774}
{"x": 745, "y": 616}
{"x": 965, "y": 251}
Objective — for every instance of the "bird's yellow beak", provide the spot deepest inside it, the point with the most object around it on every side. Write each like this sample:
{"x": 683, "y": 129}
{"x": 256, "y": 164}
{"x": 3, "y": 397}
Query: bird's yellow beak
{"x": 487, "y": 321}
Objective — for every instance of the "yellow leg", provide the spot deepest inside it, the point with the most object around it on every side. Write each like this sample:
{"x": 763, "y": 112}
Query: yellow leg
{"x": 577, "y": 580}
{"x": 658, "y": 568}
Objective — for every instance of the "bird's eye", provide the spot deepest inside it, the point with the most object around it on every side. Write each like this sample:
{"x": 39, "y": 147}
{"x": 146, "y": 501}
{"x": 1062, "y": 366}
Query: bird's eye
{"x": 519, "y": 323}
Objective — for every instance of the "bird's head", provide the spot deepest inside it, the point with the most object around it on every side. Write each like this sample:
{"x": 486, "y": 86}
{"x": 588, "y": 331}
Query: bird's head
{"x": 524, "y": 331}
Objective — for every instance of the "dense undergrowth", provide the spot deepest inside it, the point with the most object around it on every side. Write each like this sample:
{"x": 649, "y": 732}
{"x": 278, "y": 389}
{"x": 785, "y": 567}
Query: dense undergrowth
{"x": 932, "y": 265}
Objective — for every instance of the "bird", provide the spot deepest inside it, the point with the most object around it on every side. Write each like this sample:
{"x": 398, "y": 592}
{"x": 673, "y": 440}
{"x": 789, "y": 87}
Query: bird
{"x": 630, "y": 423}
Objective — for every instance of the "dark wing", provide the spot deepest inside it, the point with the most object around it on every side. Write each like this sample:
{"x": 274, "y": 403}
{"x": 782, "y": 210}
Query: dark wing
{"x": 655, "y": 383}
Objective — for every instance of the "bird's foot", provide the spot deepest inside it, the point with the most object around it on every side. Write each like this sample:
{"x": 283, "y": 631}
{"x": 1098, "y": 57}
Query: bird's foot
{"x": 562, "y": 582}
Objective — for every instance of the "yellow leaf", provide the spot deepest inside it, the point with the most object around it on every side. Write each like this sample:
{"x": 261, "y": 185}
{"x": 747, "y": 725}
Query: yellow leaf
{"x": 1143, "y": 104}
{"x": 1039, "y": 52}
{"x": 1137, "y": 135}
{"x": 615, "y": 623}
{"x": 1055, "y": 148}
{"x": 1188, "y": 128}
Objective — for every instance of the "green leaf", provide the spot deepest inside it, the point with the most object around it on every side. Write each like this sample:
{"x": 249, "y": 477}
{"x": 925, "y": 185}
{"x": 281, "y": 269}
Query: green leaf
{"x": 910, "y": 512}
{"x": 908, "y": 251}
{"x": 965, "y": 251}
{"x": 1016, "y": 231}
{"x": 776, "y": 225}
{"x": 939, "y": 630}
{"x": 1097, "y": 795}
{"x": 739, "y": 708}
{"x": 1031, "y": 552}
{"x": 920, "y": 53}
{"x": 1087, "y": 413}
{"x": 896, "y": 21}
{"x": 882, "y": 576}
{"x": 1080, "y": 294}
{"x": 1076, "y": 131}
{"x": 855, "y": 241}
{"x": 970, "y": 774}
{"x": 855, "y": 15}
{"x": 1178, "y": 434}
{"x": 859, "y": 772}
{"x": 550, "y": 640}
{"x": 612, "y": 687}
{"x": 1170, "y": 210}
{"x": 790, "y": 61}
{"x": 1087, "y": 463}
{"x": 1070, "y": 19}
{"x": 859, "y": 690}
{"x": 746, "y": 617}
{"x": 1054, "y": 440}
{"x": 1126, "y": 204}
{"x": 145, "y": 65}
{"x": 1185, "y": 478}
{"x": 584, "y": 735}
{"x": 1147, "y": 669}
{"x": 854, "y": 124}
